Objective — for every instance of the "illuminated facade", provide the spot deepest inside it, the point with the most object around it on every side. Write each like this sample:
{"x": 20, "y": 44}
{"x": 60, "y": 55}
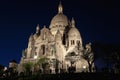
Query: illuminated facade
{"x": 61, "y": 41}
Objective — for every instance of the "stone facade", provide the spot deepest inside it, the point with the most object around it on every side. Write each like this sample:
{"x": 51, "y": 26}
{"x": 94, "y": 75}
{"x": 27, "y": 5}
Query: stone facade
{"x": 61, "y": 41}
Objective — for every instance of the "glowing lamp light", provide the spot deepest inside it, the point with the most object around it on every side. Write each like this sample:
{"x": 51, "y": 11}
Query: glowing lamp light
{"x": 84, "y": 67}
{"x": 35, "y": 57}
{"x": 5, "y": 68}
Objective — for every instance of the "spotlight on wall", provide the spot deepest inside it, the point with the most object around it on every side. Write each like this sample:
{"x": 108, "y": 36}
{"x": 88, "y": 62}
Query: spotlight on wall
{"x": 35, "y": 57}
{"x": 84, "y": 67}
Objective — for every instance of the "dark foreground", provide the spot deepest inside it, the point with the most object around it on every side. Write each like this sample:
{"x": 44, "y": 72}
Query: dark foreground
{"x": 66, "y": 76}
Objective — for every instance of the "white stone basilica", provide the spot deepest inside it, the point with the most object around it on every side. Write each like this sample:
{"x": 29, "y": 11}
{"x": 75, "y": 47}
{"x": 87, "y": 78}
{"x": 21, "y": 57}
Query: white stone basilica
{"x": 61, "y": 41}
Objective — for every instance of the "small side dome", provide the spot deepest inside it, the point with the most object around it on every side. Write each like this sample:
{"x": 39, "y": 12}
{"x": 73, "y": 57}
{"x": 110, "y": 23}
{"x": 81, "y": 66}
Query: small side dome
{"x": 73, "y": 32}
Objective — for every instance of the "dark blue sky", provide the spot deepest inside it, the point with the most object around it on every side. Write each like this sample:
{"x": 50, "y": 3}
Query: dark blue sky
{"x": 97, "y": 20}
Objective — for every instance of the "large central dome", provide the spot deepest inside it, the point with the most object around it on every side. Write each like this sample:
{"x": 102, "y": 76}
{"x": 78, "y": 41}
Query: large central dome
{"x": 59, "y": 21}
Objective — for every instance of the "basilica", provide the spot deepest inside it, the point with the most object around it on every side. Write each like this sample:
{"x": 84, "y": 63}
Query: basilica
{"x": 60, "y": 46}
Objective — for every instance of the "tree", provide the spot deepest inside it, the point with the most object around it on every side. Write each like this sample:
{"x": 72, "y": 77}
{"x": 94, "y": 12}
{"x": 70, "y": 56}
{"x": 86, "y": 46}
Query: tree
{"x": 88, "y": 56}
{"x": 28, "y": 66}
{"x": 116, "y": 62}
{"x": 1, "y": 70}
{"x": 43, "y": 63}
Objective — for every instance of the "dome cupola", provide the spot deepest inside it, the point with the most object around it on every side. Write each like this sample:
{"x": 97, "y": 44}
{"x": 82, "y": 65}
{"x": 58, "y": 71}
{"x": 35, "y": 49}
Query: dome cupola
{"x": 60, "y": 8}
{"x": 37, "y": 29}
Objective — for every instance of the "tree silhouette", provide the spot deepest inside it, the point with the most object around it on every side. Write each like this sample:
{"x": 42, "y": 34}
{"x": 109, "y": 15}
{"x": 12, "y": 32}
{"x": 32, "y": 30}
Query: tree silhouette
{"x": 1, "y": 70}
{"x": 88, "y": 56}
{"x": 116, "y": 62}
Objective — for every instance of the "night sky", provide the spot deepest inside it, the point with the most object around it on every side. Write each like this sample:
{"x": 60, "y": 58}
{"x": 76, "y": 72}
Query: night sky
{"x": 97, "y": 21}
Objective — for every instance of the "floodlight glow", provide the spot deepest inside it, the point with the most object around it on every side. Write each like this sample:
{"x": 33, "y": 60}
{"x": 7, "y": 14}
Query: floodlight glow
{"x": 84, "y": 67}
{"x": 35, "y": 57}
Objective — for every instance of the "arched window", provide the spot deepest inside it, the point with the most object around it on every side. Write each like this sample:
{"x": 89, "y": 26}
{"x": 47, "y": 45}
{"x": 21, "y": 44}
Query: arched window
{"x": 35, "y": 48}
{"x": 73, "y": 42}
{"x": 52, "y": 52}
{"x": 43, "y": 49}
{"x": 60, "y": 26}
{"x": 35, "y": 53}
{"x": 78, "y": 42}
{"x": 57, "y": 26}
